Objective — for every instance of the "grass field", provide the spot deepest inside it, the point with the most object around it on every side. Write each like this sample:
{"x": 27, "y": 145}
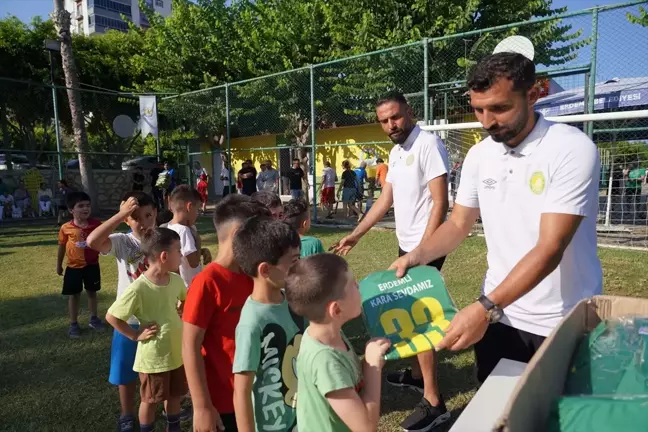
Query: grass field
{"x": 51, "y": 383}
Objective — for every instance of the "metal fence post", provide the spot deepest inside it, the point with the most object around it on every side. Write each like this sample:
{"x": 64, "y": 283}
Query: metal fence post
{"x": 227, "y": 138}
{"x": 313, "y": 146}
{"x": 157, "y": 137}
{"x": 592, "y": 80}
{"x": 426, "y": 83}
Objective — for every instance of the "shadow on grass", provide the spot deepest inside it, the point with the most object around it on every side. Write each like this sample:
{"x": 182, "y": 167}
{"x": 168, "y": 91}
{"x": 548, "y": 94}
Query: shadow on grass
{"x": 28, "y": 311}
{"x": 5, "y": 253}
{"x": 52, "y": 242}
{"x": 50, "y": 382}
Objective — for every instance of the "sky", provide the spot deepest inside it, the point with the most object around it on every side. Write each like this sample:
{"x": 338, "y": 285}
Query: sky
{"x": 625, "y": 54}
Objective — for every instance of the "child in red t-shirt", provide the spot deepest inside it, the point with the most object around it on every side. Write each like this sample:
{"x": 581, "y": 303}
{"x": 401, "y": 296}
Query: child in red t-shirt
{"x": 211, "y": 313}
{"x": 202, "y": 190}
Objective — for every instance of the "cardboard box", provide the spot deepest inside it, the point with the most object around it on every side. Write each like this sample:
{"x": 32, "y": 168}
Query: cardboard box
{"x": 544, "y": 379}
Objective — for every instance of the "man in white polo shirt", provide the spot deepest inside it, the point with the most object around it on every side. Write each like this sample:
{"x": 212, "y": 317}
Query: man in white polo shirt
{"x": 417, "y": 186}
{"x": 535, "y": 185}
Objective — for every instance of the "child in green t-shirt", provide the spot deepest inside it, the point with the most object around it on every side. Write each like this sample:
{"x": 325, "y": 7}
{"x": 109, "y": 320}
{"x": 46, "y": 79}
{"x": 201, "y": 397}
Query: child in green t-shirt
{"x": 337, "y": 392}
{"x": 297, "y": 214}
{"x": 268, "y": 335}
{"x": 153, "y": 300}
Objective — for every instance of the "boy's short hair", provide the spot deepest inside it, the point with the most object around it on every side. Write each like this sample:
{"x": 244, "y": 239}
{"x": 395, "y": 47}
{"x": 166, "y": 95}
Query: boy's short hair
{"x": 183, "y": 194}
{"x": 237, "y": 208}
{"x": 143, "y": 199}
{"x": 267, "y": 198}
{"x": 295, "y": 213}
{"x": 313, "y": 282}
{"x": 262, "y": 239}
{"x": 76, "y": 197}
{"x": 157, "y": 240}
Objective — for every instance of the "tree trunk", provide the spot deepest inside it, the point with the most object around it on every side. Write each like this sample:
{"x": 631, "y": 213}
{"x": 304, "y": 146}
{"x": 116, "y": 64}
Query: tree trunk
{"x": 61, "y": 19}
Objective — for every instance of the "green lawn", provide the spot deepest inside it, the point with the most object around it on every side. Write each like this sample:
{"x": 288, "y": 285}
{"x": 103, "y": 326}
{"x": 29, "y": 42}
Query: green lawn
{"x": 49, "y": 382}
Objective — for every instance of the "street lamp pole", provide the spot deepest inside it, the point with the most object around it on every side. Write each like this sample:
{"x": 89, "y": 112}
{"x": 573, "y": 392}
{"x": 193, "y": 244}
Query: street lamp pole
{"x": 51, "y": 47}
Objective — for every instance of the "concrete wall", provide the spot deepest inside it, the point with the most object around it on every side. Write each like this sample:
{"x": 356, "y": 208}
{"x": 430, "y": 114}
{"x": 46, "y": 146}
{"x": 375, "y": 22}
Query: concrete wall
{"x": 111, "y": 184}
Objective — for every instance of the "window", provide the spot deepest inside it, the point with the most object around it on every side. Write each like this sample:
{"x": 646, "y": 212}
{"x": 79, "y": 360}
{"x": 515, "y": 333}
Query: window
{"x": 91, "y": 20}
{"x": 159, "y": 3}
{"x": 112, "y": 6}
{"x": 111, "y": 23}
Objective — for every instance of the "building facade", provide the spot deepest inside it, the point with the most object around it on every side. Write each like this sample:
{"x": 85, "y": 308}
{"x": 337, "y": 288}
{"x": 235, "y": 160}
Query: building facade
{"x": 98, "y": 16}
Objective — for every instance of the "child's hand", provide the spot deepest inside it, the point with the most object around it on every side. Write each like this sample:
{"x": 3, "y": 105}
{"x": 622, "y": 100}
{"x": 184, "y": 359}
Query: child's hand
{"x": 126, "y": 208}
{"x": 59, "y": 270}
{"x": 206, "y": 256}
{"x": 375, "y": 351}
{"x": 147, "y": 332}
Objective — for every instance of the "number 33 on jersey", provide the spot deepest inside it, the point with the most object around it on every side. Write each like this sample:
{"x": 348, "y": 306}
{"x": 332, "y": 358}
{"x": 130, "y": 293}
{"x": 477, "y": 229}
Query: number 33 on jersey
{"x": 413, "y": 312}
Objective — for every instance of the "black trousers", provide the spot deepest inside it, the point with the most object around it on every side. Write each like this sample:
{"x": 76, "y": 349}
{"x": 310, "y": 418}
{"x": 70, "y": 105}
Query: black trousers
{"x": 503, "y": 341}
{"x": 437, "y": 263}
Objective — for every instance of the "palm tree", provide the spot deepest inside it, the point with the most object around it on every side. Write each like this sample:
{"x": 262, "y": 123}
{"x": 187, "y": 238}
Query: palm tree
{"x": 61, "y": 18}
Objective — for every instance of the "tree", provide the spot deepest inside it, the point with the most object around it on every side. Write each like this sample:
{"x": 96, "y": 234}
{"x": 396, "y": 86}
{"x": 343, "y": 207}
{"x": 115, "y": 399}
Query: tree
{"x": 641, "y": 19}
{"x": 61, "y": 19}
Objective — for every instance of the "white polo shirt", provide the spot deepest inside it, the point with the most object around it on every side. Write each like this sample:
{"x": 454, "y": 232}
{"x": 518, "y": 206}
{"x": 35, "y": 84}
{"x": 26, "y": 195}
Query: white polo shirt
{"x": 421, "y": 158}
{"x": 554, "y": 170}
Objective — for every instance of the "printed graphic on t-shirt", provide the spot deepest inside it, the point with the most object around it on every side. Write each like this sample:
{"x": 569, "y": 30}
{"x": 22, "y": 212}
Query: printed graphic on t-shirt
{"x": 413, "y": 312}
{"x": 275, "y": 387}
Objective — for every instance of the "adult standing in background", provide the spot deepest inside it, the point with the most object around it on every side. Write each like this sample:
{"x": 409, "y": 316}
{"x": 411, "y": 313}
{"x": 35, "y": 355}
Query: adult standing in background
{"x": 247, "y": 176}
{"x": 304, "y": 164}
{"x": 225, "y": 176}
{"x": 170, "y": 182}
{"x": 535, "y": 185}
{"x": 296, "y": 176}
{"x": 155, "y": 190}
{"x": 327, "y": 198}
{"x": 417, "y": 186}
{"x": 269, "y": 178}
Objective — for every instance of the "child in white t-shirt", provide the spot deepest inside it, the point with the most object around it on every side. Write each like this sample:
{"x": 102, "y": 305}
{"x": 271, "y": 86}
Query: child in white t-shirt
{"x": 185, "y": 204}
{"x": 138, "y": 211}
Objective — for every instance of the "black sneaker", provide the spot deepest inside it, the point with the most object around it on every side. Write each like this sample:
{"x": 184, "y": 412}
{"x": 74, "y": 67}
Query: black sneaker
{"x": 405, "y": 379}
{"x": 425, "y": 417}
{"x": 126, "y": 424}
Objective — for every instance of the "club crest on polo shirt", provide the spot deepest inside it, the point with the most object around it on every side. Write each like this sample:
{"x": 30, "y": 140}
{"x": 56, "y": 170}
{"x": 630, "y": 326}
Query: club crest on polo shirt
{"x": 537, "y": 182}
{"x": 413, "y": 312}
{"x": 410, "y": 160}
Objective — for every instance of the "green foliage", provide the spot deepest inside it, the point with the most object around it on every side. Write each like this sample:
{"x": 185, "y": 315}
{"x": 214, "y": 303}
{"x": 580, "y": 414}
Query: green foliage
{"x": 641, "y": 19}
{"x": 627, "y": 152}
{"x": 205, "y": 43}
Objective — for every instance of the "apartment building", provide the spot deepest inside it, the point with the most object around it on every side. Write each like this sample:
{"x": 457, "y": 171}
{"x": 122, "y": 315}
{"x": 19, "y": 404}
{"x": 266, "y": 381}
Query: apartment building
{"x": 98, "y": 16}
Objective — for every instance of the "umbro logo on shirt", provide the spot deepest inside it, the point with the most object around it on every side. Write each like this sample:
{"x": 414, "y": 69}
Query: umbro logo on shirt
{"x": 489, "y": 183}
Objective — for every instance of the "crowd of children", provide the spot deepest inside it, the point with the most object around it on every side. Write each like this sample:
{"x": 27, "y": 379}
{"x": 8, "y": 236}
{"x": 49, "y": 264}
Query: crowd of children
{"x": 229, "y": 331}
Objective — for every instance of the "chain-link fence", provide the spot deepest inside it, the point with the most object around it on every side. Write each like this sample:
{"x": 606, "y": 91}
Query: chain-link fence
{"x": 591, "y": 61}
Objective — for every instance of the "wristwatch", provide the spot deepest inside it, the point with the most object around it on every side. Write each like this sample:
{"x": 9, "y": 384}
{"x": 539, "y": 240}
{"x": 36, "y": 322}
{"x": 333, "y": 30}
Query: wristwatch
{"x": 494, "y": 313}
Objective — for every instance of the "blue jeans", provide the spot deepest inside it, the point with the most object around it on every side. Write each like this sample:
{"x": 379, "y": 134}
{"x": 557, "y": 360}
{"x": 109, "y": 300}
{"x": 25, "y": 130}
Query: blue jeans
{"x": 296, "y": 193}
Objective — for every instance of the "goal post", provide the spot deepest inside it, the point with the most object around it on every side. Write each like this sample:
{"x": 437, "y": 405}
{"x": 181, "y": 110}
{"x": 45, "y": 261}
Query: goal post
{"x": 622, "y": 140}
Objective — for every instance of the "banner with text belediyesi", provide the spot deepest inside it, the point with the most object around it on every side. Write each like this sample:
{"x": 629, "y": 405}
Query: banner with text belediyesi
{"x": 413, "y": 312}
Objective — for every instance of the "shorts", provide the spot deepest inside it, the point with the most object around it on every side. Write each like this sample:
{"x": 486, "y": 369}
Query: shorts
{"x": 296, "y": 193}
{"x": 162, "y": 386}
{"x": 328, "y": 196}
{"x": 349, "y": 195}
{"x": 437, "y": 263}
{"x": 229, "y": 421}
{"x": 75, "y": 279}
{"x": 503, "y": 341}
{"x": 122, "y": 359}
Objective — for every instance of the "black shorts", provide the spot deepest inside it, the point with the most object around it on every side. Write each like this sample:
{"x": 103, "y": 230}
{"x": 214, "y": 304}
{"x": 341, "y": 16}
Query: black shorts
{"x": 75, "y": 279}
{"x": 437, "y": 263}
{"x": 503, "y": 341}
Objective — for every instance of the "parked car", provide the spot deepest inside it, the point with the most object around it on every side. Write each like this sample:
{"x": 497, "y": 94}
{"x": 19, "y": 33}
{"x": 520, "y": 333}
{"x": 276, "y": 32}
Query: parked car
{"x": 147, "y": 163}
{"x": 19, "y": 161}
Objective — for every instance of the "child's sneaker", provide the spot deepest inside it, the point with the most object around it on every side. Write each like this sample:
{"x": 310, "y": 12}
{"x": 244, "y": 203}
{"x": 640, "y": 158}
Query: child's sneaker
{"x": 126, "y": 424}
{"x": 97, "y": 324}
{"x": 75, "y": 331}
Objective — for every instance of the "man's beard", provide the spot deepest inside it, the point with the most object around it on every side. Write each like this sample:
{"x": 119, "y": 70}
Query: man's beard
{"x": 400, "y": 136}
{"x": 507, "y": 133}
